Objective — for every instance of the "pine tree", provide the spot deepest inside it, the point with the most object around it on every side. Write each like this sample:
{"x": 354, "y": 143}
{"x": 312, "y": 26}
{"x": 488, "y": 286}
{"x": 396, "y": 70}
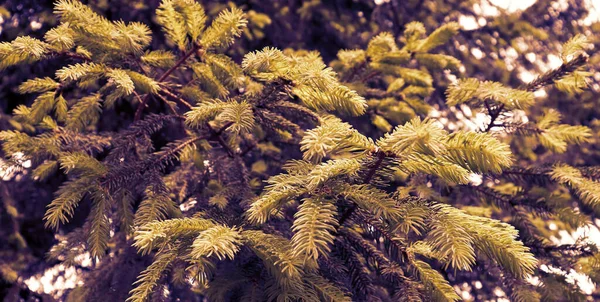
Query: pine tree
{"x": 253, "y": 180}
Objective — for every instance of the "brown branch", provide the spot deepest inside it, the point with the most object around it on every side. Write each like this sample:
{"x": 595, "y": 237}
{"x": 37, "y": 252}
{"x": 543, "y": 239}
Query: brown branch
{"x": 175, "y": 97}
{"x": 349, "y": 211}
{"x": 397, "y": 18}
{"x": 195, "y": 48}
{"x": 136, "y": 95}
{"x": 369, "y": 76}
{"x": 217, "y": 135}
{"x": 353, "y": 71}
{"x": 167, "y": 103}
{"x": 180, "y": 147}
{"x": 251, "y": 147}
{"x": 131, "y": 172}
{"x": 71, "y": 54}
{"x": 494, "y": 115}
{"x": 380, "y": 156}
{"x": 178, "y": 63}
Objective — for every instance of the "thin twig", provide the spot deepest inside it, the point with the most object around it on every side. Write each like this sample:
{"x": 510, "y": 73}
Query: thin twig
{"x": 545, "y": 79}
{"x": 369, "y": 76}
{"x": 217, "y": 135}
{"x": 175, "y": 97}
{"x": 253, "y": 144}
{"x": 167, "y": 103}
{"x": 181, "y": 61}
{"x": 398, "y": 20}
{"x": 380, "y": 156}
{"x": 195, "y": 48}
{"x": 180, "y": 147}
{"x": 493, "y": 118}
{"x": 353, "y": 71}
{"x": 367, "y": 179}
{"x": 71, "y": 54}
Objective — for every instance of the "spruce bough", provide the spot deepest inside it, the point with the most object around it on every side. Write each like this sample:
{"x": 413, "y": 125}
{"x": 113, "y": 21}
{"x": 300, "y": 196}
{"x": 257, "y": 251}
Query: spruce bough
{"x": 351, "y": 217}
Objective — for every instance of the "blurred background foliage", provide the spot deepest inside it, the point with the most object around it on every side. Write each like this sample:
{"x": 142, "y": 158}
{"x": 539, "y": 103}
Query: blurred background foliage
{"x": 506, "y": 41}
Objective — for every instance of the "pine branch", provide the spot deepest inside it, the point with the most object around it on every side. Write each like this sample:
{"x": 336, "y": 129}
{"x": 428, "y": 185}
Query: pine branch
{"x": 435, "y": 284}
{"x": 394, "y": 248}
{"x": 478, "y": 152}
{"x": 592, "y": 172}
{"x": 172, "y": 152}
{"x": 149, "y": 278}
{"x": 508, "y": 201}
{"x": 450, "y": 238}
{"x": 586, "y": 190}
{"x": 62, "y": 208}
{"x": 277, "y": 255}
{"x": 344, "y": 175}
{"x": 374, "y": 201}
{"x": 313, "y": 224}
{"x": 368, "y": 248}
{"x": 99, "y": 235}
{"x": 528, "y": 176}
{"x": 328, "y": 291}
{"x": 156, "y": 233}
{"x": 130, "y": 172}
{"x": 281, "y": 188}
{"x": 361, "y": 281}
{"x": 157, "y": 204}
{"x": 219, "y": 241}
{"x": 554, "y": 75}
{"x": 548, "y": 78}
{"x": 380, "y": 156}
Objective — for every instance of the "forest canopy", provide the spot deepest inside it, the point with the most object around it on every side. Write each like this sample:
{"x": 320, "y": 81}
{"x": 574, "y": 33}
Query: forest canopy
{"x": 187, "y": 150}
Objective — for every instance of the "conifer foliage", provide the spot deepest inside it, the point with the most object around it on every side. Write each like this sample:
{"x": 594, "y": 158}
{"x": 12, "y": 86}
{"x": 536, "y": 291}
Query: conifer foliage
{"x": 251, "y": 181}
